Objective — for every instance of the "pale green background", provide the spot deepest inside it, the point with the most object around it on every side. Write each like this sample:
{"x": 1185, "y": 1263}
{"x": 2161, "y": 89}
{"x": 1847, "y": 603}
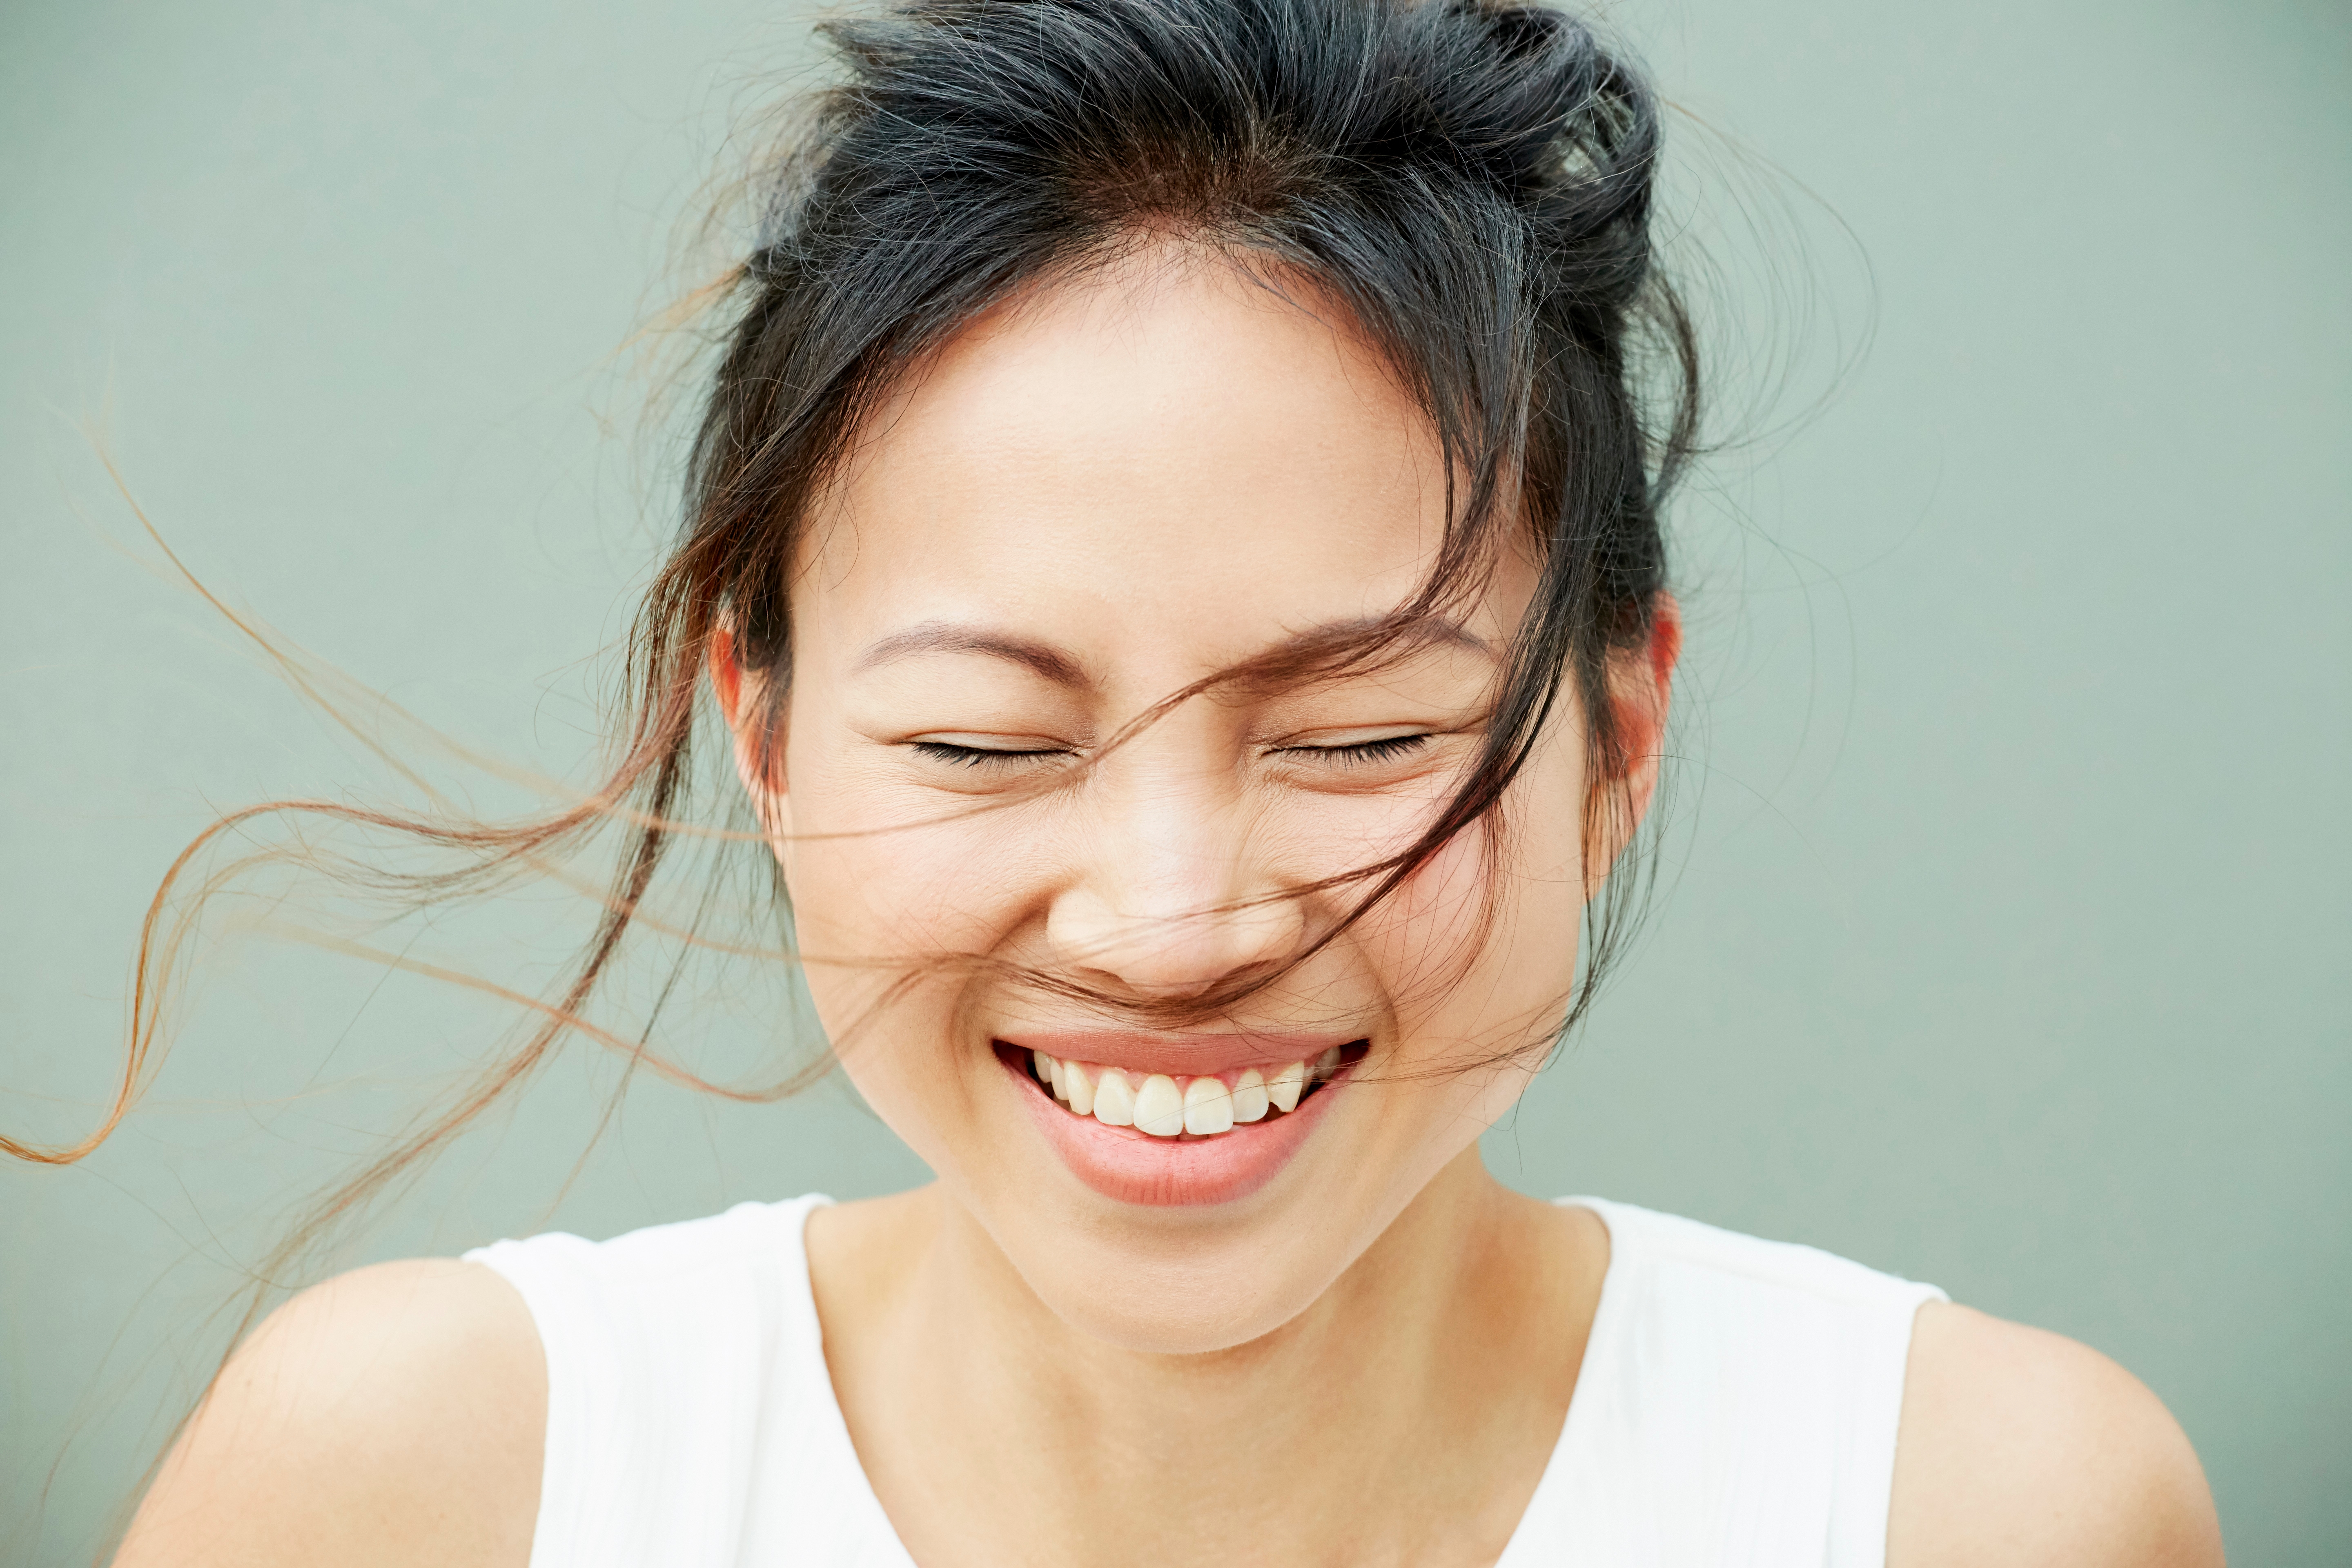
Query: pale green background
{"x": 2003, "y": 935}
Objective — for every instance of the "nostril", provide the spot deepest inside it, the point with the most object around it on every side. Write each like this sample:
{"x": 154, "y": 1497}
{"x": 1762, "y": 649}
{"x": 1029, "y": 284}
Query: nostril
{"x": 1153, "y": 940}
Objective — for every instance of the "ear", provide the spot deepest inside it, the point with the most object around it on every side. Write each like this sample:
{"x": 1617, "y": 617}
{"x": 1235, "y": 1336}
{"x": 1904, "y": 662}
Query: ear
{"x": 1647, "y": 689}
{"x": 1641, "y": 686}
{"x": 739, "y": 697}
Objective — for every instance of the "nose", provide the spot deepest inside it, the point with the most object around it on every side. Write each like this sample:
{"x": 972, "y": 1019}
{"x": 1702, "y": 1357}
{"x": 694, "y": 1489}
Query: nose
{"x": 1172, "y": 897}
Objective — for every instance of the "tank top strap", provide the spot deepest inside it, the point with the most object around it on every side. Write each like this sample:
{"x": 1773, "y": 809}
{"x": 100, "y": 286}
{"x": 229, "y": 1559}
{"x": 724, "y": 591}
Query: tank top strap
{"x": 690, "y": 1418}
{"x": 1736, "y": 1408}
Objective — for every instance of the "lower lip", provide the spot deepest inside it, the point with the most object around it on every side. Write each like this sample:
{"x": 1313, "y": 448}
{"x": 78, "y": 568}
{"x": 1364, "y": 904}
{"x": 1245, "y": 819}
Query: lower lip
{"x": 1166, "y": 1173}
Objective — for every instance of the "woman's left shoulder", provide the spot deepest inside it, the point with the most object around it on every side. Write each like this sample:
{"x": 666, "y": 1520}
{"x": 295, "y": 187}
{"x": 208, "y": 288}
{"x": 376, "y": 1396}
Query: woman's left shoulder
{"x": 2021, "y": 1447}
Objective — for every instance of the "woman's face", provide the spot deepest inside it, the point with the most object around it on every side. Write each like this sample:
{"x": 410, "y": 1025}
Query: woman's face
{"x": 1088, "y": 500}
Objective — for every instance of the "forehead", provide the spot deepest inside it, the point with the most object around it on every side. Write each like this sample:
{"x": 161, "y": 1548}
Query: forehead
{"x": 1165, "y": 457}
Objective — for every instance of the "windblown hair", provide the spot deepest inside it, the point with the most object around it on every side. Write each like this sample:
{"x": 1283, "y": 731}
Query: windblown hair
{"x": 1471, "y": 182}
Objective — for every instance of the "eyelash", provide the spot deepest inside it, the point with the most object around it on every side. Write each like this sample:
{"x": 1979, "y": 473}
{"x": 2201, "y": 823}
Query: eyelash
{"x": 1363, "y": 754}
{"x": 976, "y": 756}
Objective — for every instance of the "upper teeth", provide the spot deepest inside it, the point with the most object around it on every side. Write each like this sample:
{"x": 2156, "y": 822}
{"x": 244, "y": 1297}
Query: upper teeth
{"x": 1165, "y": 1105}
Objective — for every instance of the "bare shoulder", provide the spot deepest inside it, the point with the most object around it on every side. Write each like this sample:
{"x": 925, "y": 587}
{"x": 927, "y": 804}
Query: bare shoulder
{"x": 394, "y": 1415}
{"x": 2021, "y": 1447}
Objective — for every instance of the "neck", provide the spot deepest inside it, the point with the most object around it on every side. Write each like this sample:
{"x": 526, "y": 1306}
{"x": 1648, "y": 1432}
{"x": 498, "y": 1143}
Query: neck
{"x": 1423, "y": 1387}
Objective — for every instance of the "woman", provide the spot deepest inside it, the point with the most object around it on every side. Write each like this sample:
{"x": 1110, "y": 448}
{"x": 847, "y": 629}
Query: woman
{"x": 1174, "y": 543}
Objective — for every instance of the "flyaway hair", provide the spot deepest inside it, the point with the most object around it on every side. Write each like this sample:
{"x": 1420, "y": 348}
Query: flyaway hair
{"x": 1471, "y": 183}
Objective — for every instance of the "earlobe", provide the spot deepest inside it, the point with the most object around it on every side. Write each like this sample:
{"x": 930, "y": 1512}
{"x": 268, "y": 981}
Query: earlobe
{"x": 755, "y": 764}
{"x": 1665, "y": 647}
{"x": 1641, "y": 691}
{"x": 762, "y": 777}
{"x": 1642, "y": 710}
{"x": 752, "y": 770}
{"x": 725, "y": 673}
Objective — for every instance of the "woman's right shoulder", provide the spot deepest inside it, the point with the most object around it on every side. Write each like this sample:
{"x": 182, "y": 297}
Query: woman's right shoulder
{"x": 395, "y": 1414}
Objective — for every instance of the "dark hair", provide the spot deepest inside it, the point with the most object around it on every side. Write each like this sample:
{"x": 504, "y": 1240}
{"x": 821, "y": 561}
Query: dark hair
{"x": 1472, "y": 183}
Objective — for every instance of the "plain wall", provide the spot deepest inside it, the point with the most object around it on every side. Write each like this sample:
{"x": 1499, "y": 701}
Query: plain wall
{"x": 2002, "y": 926}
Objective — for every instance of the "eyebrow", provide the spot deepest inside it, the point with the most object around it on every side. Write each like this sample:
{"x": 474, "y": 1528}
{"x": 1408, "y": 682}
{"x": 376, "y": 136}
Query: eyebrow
{"x": 947, "y": 637}
{"x": 1429, "y": 629}
{"x": 1044, "y": 659}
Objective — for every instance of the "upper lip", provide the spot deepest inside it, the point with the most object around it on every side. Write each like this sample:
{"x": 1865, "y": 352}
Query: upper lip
{"x": 1192, "y": 1055}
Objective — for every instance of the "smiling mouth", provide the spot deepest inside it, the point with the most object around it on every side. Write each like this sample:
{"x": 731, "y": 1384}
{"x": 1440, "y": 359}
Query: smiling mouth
{"x": 1186, "y": 1106}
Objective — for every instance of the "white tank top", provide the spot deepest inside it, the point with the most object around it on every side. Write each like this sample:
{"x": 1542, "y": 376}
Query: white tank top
{"x": 1736, "y": 1406}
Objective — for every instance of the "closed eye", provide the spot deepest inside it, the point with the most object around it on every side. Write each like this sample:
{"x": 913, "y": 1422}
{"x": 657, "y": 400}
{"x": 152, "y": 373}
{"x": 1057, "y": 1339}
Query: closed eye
{"x": 1363, "y": 754}
{"x": 981, "y": 756}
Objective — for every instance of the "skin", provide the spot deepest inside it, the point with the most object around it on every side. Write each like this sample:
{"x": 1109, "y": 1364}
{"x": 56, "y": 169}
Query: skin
{"x": 1148, "y": 476}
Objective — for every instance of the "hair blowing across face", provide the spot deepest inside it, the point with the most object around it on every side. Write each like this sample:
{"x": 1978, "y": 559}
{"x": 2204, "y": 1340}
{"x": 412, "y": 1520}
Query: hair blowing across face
{"x": 1472, "y": 183}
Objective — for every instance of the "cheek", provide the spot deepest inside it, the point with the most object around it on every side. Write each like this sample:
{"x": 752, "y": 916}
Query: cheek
{"x": 880, "y": 869}
{"x": 889, "y": 920}
{"x": 888, "y": 900}
{"x": 907, "y": 892}
{"x": 1477, "y": 951}
{"x": 1428, "y": 940}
